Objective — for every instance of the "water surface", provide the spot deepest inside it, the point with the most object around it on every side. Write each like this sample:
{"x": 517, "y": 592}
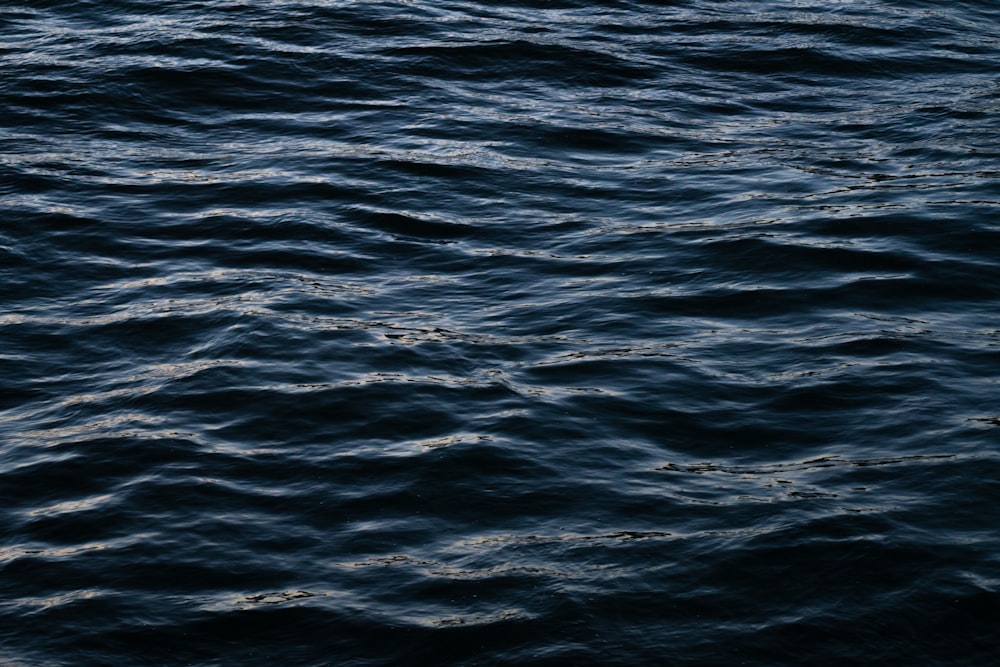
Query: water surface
{"x": 510, "y": 333}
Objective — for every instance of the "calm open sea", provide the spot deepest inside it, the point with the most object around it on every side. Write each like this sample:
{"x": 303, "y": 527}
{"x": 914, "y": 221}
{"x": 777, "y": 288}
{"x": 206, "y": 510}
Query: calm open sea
{"x": 530, "y": 333}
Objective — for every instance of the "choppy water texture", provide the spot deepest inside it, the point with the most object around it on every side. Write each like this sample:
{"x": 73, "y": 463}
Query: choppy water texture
{"x": 509, "y": 333}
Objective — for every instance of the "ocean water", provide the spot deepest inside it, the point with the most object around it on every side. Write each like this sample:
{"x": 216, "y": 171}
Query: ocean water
{"x": 413, "y": 332}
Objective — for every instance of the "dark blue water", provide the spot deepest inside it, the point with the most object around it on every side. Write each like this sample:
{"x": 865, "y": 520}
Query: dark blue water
{"x": 557, "y": 333}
